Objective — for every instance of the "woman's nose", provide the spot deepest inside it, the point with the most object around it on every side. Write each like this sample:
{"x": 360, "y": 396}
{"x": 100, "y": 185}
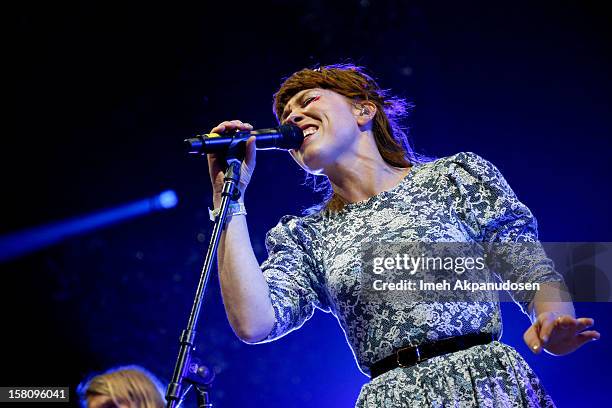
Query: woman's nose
{"x": 295, "y": 118}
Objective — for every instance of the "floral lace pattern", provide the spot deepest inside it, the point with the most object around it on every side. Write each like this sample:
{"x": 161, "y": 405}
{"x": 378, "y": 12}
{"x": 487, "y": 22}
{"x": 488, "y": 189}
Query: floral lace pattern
{"x": 314, "y": 262}
{"x": 490, "y": 376}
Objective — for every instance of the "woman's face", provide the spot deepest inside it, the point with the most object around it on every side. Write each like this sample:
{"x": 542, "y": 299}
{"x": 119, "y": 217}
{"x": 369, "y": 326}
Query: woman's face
{"x": 329, "y": 122}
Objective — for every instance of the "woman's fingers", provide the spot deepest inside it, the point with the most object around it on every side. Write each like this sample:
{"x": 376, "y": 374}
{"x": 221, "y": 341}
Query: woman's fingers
{"x": 216, "y": 162}
{"x": 547, "y": 325}
{"x": 584, "y": 323}
{"x": 585, "y": 337}
{"x": 230, "y": 125}
{"x": 532, "y": 339}
{"x": 565, "y": 321}
{"x": 589, "y": 335}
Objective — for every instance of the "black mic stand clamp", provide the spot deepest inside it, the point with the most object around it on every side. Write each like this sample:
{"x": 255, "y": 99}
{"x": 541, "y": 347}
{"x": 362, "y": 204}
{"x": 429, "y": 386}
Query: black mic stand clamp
{"x": 182, "y": 375}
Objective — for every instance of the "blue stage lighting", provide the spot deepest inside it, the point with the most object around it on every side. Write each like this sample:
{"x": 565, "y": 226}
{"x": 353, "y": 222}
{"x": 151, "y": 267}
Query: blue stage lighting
{"x": 168, "y": 199}
{"x": 24, "y": 242}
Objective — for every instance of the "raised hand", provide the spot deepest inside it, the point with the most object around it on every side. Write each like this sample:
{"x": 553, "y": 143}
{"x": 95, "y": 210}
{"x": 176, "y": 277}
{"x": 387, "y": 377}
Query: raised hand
{"x": 216, "y": 163}
{"x": 559, "y": 334}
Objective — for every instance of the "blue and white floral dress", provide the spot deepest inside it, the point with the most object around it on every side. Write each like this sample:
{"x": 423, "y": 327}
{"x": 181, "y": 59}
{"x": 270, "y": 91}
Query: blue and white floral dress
{"x": 314, "y": 262}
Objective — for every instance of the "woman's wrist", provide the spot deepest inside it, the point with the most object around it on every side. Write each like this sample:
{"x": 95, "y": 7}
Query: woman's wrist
{"x": 234, "y": 209}
{"x": 217, "y": 197}
{"x": 217, "y": 202}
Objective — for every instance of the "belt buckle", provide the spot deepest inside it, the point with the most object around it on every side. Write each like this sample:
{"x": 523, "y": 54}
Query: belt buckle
{"x": 417, "y": 355}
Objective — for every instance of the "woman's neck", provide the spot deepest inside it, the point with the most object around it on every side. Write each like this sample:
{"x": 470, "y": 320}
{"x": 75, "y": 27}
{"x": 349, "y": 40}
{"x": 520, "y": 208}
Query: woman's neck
{"x": 365, "y": 177}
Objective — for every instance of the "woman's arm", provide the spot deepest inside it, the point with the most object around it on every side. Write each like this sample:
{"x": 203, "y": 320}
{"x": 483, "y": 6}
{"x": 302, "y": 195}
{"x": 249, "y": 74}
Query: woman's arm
{"x": 495, "y": 215}
{"x": 243, "y": 287}
{"x": 245, "y": 291}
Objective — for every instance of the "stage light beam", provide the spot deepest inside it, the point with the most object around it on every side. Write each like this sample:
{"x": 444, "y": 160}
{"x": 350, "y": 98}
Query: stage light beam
{"x": 29, "y": 240}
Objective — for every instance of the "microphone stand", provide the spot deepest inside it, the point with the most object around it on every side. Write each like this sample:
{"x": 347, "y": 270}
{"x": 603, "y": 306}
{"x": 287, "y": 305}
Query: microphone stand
{"x": 187, "y": 370}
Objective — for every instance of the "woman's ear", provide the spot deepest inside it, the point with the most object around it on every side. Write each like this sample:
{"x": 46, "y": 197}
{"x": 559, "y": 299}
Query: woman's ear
{"x": 365, "y": 112}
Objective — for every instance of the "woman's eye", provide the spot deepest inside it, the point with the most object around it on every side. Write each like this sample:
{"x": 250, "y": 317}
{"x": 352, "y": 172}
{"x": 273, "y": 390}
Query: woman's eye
{"x": 309, "y": 100}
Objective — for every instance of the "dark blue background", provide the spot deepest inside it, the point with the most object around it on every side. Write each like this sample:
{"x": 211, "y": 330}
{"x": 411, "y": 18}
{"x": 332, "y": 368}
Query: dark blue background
{"x": 102, "y": 94}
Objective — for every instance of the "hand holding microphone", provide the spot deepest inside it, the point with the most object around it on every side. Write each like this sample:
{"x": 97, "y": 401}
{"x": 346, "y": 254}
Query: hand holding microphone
{"x": 284, "y": 138}
{"x": 216, "y": 162}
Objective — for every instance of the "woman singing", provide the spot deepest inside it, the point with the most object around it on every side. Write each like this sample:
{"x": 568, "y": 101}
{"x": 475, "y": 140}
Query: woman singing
{"x": 417, "y": 354}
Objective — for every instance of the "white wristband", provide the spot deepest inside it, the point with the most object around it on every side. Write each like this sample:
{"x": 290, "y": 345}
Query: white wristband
{"x": 234, "y": 209}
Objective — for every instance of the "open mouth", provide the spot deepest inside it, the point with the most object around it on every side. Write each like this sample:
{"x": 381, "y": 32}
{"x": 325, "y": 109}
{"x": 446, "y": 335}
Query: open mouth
{"x": 310, "y": 130}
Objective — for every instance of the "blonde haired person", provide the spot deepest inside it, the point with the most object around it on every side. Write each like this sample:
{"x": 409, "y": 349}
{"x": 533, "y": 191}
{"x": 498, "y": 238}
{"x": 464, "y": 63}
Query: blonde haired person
{"x": 122, "y": 387}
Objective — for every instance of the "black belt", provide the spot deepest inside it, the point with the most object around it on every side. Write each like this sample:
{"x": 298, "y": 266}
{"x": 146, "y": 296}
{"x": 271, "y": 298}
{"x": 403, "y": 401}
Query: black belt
{"x": 409, "y": 356}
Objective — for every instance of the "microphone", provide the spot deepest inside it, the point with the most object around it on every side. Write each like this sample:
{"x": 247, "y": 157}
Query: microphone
{"x": 284, "y": 137}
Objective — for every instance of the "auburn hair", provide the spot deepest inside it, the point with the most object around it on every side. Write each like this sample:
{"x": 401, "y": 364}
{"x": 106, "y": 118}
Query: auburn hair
{"x": 354, "y": 83}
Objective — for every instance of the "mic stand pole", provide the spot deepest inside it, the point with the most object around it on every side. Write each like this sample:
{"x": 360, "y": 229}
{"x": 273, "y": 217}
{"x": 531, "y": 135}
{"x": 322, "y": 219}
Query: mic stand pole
{"x": 181, "y": 375}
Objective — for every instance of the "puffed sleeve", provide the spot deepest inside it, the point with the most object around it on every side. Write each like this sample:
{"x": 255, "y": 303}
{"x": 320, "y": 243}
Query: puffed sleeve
{"x": 295, "y": 280}
{"x": 494, "y": 215}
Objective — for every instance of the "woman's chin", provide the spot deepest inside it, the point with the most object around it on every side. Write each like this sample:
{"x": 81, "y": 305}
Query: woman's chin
{"x": 313, "y": 161}
{"x": 313, "y": 158}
